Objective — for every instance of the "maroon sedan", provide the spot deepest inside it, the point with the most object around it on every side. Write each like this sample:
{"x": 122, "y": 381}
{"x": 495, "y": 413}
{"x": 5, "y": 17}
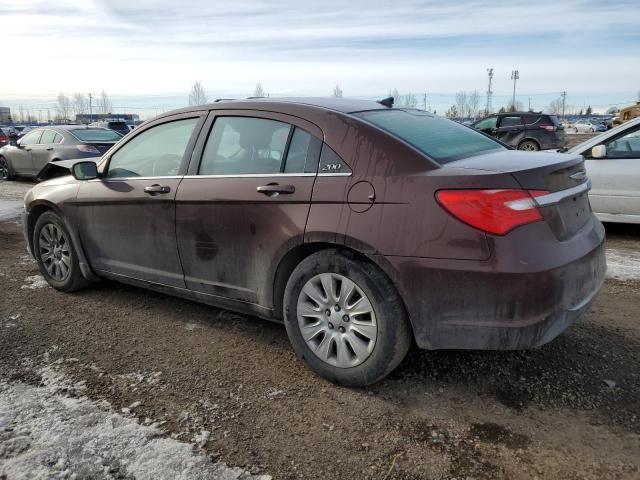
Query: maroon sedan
{"x": 361, "y": 226}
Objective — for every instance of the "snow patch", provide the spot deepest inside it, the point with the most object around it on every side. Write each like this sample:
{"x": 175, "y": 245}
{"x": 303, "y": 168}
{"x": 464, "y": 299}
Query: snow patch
{"x": 35, "y": 281}
{"x": 623, "y": 264}
{"x": 45, "y": 433}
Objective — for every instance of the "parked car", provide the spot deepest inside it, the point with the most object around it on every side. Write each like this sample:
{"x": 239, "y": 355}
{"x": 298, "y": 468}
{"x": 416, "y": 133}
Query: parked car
{"x": 612, "y": 161}
{"x": 525, "y": 131}
{"x": 587, "y": 126}
{"x": 5, "y": 134}
{"x": 360, "y": 226}
{"x": 121, "y": 127}
{"x": 27, "y": 156}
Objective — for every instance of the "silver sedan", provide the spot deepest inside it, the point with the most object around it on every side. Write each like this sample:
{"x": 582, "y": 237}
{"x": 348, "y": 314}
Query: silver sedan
{"x": 612, "y": 160}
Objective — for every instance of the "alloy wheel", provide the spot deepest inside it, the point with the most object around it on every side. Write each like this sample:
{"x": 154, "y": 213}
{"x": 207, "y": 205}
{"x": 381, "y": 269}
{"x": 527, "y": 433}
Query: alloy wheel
{"x": 4, "y": 169}
{"x": 337, "y": 320}
{"x": 528, "y": 147}
{"x": 53, "y": 248}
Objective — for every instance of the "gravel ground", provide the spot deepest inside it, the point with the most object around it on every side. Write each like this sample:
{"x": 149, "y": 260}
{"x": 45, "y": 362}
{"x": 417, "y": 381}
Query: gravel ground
{"x": 231, "y": 385}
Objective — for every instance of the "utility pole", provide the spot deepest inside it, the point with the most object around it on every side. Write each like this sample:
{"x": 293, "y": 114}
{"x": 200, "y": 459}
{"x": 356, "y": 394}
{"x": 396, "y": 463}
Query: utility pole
{"x": 489, "y": 90}
{"x": 529, "y": 104}
{"x": 90, "y": 108}
{"x": 563, "y": 94}
{"x": 425, "y": 101}
{"x": 515, "y": 76}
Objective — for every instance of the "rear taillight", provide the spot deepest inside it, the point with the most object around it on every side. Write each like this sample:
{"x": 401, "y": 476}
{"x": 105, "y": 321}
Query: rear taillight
{"x": 492, "y": 211}
{"x": 87, "y": 148}
{"x": 547, "y": 127}
{"x": 3, "y": 138}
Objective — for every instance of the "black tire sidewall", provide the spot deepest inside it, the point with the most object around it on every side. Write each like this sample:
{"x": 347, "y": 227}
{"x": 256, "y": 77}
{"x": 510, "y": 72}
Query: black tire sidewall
{"x": 75, "y": 278}
{"x": 11, "y": 174}
{"x": 393, "y": 338}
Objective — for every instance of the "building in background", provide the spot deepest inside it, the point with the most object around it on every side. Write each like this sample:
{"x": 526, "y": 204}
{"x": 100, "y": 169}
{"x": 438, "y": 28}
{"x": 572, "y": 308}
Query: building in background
{"x": 5, "y": 115}
{"x": 129, "y": 118}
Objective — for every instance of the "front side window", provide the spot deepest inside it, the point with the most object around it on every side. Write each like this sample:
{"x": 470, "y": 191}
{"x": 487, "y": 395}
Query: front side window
{"x": 156, "y": 152}
{"x": 626, "y": 146}
{"x": 442, "y": 140}
{"x": 245, "y": 145}
{"x": 487, "y": 123}
{"x": 31, "y": 138}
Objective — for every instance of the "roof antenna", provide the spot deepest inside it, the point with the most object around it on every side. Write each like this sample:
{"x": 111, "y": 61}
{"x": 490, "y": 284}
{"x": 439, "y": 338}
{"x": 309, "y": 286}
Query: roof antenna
{"x": 387, "y": 102}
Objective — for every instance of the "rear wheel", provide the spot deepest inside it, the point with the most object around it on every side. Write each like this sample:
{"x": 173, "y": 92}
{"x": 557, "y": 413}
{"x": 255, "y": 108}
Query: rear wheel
{"x": 6, "y": 172}
{"x": 529, "y": 146}
{"x": 56, "y": 255}
{"x": 345, "y": 319}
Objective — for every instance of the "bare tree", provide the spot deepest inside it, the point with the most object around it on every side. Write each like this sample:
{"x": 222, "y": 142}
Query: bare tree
{"x": 518, "y": 107}
{"x": 409, "y": 100}
{"x": 259, "y": 91}
{"x": 474, "y": 104}
{"x": 555, "y": 106}
{"x": 63, "y": 107}
{"x": 197, "y": 95}
{"x": 337, "y": 92}
{"x": 103, "y": 104}
{"x": 461, "y": 103}
{"x": 452, "y": 112}
{"x": 79, "y": 104}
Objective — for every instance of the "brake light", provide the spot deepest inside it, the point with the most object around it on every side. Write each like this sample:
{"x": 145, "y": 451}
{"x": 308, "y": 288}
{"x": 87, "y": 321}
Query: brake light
{"x": 548, "y": 128}
{"x": 87, "y": 148}
{"x": 492, "y": 211}
{"x": 3, "y": 138}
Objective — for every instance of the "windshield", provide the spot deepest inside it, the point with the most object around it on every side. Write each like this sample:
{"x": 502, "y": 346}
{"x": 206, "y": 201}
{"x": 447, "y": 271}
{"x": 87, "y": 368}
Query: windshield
{"x": 95, "y": 135}
{"x": 442, "y": 140}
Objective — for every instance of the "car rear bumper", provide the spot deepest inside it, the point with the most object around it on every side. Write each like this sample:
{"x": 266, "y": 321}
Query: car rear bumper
{"x": 481, "y": 307}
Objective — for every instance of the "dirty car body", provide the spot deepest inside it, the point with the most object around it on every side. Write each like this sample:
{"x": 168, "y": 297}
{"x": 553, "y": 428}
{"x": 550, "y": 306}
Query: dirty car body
{"x": 484, "y": 247}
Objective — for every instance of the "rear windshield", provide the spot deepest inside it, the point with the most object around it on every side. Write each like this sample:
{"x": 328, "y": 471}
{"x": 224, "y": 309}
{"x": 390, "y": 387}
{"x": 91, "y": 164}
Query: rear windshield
{"x": 95, "y": 135}
{"x": 442, "y": 140}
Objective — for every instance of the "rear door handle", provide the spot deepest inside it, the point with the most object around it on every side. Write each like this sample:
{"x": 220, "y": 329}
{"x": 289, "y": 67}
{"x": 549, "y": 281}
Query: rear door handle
{"x": 273, "y": 189}
{"x": 153, "y": 189}
{"x": 49, "y": 149}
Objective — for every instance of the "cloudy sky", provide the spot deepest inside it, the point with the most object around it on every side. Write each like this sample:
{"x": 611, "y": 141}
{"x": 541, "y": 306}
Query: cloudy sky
{"x": 149, "y": 52}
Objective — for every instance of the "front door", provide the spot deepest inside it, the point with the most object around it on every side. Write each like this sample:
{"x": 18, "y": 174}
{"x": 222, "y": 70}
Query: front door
{"x": 127, "y": 217}
{"x": 21, "y": 155}
{"x": 41, "y": 153}
{"x": 616, "y": 178}
{"x": 245, "y": 203}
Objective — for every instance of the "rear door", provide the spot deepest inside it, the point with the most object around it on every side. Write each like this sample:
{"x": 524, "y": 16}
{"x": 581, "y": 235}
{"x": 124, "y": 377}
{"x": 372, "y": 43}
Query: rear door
{"x": 510, "y": 130}
{"x": 127, "y": 217}
{"x": 616, "y": 178}
{"x": 245, "y": 201}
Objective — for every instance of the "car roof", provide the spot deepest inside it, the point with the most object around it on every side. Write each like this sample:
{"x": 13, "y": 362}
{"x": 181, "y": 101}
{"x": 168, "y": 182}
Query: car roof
{"x": 342, "y": 105}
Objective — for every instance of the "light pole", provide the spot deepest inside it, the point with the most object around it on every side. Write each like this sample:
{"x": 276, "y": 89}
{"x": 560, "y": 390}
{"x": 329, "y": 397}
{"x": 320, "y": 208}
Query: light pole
{"x": 515, "y": 76}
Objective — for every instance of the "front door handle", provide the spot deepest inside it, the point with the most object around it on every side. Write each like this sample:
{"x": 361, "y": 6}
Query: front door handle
{"x": 273, "y": 189}
{"x": 153, "y": 189}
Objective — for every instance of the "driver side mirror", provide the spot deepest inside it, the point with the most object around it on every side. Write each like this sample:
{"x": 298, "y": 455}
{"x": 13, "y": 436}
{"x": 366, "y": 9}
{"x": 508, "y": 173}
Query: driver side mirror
{"x": 84, "y": 170}
{"x": 599, "y": 151}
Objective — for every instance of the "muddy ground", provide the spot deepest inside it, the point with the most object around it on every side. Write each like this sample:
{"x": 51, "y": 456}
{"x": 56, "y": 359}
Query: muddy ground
{"x": 568, "y": 410}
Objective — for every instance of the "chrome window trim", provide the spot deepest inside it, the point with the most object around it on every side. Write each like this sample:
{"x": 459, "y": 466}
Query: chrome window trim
{"x": 247, "y": 175}
{"x": 557, "y": 197}
{"x": 120, "y": 179}
{"x": 254, "y": 175}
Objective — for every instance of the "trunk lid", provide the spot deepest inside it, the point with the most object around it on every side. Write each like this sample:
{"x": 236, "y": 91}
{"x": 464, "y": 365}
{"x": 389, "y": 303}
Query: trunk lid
{"x": 561, "y": 174}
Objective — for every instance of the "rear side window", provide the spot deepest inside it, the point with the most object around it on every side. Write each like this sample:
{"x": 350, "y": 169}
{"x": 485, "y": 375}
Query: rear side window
{"x": 48, "y": 137}
{"x": 442, "y": 140}
{"x": 511, "y": 121}
{"x": 554, "y": 120}
{"x": 245, "y": 145}
{"x": 303, "y": 153}
{"x": 530, "y": 119}
{"x": 57, "y": 138}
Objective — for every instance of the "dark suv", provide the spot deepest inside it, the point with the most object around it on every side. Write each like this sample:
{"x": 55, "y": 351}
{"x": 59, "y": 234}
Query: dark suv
{"x": 361, "y": 227}
{"x": 524, "y": 131}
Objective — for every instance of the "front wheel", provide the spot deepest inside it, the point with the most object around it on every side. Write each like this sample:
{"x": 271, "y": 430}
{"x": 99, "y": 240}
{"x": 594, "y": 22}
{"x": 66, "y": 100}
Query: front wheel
{"x": 56, "y": 255}
{"x": 6, "y": 173}
{"x": 345, "y": 319}
{"x": 529, "y": 146}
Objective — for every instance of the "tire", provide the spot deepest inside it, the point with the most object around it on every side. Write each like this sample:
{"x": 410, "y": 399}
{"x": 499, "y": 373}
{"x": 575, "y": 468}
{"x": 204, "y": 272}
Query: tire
{"x": 56, "y": 255}
{"x": 528, "y": 146}
{"x": 381, "y": 337}
{"x": 6, "y": 172}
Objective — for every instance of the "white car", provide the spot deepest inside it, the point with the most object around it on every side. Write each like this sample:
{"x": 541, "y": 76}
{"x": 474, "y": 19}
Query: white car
{"x": 612, "y": 160}
{"x": 584, "y": 126}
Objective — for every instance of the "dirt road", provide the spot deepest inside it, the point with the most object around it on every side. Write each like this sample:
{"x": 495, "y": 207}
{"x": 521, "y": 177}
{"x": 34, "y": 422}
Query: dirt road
{"x": 232, "y": 385}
